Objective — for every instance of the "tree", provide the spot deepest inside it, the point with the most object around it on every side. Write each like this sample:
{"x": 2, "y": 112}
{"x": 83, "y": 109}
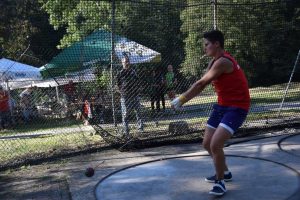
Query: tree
{"x": 196, "y": 19}
{"x": 154, "y": 24}
{"x": 261, "y": 35}
{"x": 257, "y": 34}
{"x": 23, "y": 23}
{"x": 79, "y": 18}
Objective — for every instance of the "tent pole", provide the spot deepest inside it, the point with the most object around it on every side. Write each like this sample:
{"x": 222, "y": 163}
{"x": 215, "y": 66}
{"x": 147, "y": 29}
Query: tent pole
{"x": 57, "y": 93}
{"x": 113, "y": 5}
{"x": 9, "y": 97}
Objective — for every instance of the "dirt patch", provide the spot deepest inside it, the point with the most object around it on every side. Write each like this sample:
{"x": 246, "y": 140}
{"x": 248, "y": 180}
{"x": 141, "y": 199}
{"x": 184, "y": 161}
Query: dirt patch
{"x": 46, "y": 181}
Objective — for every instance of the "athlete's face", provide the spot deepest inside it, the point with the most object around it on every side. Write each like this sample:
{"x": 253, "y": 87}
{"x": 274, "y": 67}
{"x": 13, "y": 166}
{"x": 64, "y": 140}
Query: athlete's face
{"x": 210, "y": 48}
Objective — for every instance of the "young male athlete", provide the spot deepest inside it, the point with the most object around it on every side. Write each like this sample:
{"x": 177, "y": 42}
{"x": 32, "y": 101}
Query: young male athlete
{"x": 229, "y": 113}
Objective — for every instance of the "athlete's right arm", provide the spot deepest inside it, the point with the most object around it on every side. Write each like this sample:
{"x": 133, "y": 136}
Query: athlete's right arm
{"x": 214, "y": 71}
{"x": 219, "y": 67}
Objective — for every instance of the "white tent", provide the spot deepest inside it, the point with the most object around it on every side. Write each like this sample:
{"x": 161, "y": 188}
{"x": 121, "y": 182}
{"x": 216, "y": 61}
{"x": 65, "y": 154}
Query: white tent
{"x": 84, "y": 75}
{"x": 16, "y": 74}
{"x": 80, "y": 76}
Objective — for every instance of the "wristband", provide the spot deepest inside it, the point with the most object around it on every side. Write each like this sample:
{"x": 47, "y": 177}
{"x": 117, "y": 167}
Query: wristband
{"x": 182, "y": 99}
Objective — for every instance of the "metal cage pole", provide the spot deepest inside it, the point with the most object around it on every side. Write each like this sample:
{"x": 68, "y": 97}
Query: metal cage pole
{"x": 79, "y": 21}
{"x": 215, "y": 13}
{"x": 288, "y": 85}
{"x": 113, "y": 5}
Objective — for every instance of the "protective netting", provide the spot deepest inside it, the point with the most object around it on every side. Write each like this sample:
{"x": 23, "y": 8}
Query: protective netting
{"x": 83, "y": 100}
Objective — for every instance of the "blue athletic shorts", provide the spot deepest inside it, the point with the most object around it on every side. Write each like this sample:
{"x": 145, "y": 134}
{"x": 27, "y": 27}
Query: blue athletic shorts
{"x": 231, "y": 118}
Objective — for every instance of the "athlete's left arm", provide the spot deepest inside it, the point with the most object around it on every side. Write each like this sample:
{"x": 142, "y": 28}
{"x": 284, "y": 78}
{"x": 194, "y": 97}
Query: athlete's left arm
{"x": 222, "y": 65}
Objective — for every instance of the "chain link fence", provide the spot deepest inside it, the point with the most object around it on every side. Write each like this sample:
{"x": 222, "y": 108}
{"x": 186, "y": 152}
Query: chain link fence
{"x": 85, "y": 101}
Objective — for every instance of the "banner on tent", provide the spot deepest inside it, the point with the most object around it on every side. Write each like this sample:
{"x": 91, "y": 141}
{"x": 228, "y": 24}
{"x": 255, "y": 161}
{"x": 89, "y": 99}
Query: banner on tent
{"x": 137, "y": 53}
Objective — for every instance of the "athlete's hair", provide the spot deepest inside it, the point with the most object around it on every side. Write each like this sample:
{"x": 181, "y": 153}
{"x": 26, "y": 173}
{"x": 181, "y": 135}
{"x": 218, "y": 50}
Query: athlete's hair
{"x": 215, "y": 36}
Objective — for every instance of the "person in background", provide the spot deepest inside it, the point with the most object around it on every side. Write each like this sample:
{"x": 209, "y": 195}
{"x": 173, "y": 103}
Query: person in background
{"x": 4, "y": 108}
{"x": 98, "y": 107}
{"x": 70, "y": 91}
{"x": 12, "y": 109}
{"x": 161, "y": 89}
{"x": 28, "y": 104}
{"x": 129, "y": 87}
{"x": 171, "y": 82}
{"x": 154, "y": 91}
{"x": 86, "y": 110}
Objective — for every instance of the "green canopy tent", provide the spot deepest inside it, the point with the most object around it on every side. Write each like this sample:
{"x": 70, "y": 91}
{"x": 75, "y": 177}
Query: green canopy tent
{"x": 95, "y": 49}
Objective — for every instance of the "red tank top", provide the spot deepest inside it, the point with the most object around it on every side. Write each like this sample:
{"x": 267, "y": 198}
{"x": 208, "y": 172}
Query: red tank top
{"x": 232, "y": 88}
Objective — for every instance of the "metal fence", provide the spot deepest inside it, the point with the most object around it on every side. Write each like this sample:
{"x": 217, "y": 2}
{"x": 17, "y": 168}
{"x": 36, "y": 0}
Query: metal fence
{"x": 78, "y": 106}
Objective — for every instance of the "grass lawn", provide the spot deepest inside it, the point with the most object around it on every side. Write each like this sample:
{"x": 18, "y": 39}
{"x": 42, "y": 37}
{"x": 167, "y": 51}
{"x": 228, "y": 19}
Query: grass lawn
{"x": 40, "y": 124}
{"x": 12, "y": 149}
{"x": 259, "y": 95}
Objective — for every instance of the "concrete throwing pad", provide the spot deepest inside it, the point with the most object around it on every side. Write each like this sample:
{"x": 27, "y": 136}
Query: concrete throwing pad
{"x": 182, "y": 178}
{"x": 291, "y": 145}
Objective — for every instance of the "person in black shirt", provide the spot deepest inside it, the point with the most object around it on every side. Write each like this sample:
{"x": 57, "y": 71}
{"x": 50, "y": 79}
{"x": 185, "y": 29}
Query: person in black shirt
{"x": 154, "y": 87}
{"x": 161, "y": 90}
{"x": 128, "y": 84}
{"x": 157, "y": 90}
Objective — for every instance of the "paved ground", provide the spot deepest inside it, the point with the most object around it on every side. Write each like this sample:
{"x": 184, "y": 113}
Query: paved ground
{"x": 263, "y": 168}
{"x": 261, "y": 171}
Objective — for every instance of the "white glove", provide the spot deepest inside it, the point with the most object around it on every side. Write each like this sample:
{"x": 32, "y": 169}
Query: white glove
{"x": 178, "y": 102}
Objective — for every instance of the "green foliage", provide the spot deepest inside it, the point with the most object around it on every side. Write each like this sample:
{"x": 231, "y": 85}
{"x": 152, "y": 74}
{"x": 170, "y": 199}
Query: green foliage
{"x": 155, "y": 25}
{"x": 259, "y": 38}
{"x": 15, "y": 26}
{"x": 23, "y": 23}
{"x": 196, "y": 20}
{"x": 78, "y": 17}
{"x": 103, "y": 79}
{"x": 262, "y": 37}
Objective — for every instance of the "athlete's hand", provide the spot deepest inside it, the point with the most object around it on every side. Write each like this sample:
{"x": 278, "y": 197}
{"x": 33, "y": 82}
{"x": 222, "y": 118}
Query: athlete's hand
{"x": 178, "y": 102}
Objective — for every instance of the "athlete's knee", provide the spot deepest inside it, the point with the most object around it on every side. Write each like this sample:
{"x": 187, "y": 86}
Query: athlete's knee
{"x": 209, "y": 132}
{"x": 215, "y": 148}
{"x": 206, "y": 145}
